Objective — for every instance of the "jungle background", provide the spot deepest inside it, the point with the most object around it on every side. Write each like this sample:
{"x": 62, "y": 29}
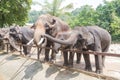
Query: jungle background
{"x": 106, "y": 15}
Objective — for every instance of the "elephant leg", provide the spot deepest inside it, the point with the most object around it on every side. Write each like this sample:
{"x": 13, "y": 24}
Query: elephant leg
{"x": 65, "y": 56}
{"x": 47, "y": 53}
{"x": 71, "y": 58}
{"x": 78, "y": 58}
{"x": 2, "y": 45}
{"x": 98, "y": 64}
{"x": 25, "y": 50}
{"x": 29, "y": 50}
{"x": 38, "y": 53}
{"x": 53, "y": 56}
{"x": 12, "y": 49}
{"x": 87, "y": 62}
{"x": 103, "y": 57}
{"x": 103, "y": 61}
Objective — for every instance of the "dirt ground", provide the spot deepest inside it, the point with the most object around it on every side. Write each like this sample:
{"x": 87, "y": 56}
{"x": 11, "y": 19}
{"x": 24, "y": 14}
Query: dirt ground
{"x": 32, "y": 70}
{"x": 112, "y": 64}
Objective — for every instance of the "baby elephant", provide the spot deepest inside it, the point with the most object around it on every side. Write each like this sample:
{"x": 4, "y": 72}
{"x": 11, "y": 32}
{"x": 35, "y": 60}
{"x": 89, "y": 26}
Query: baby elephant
{"x": 68, "y": 40}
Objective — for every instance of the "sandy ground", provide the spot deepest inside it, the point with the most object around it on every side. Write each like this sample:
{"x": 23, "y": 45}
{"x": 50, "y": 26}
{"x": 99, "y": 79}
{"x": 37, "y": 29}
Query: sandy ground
{"x": 14, "y": 67}
{"x": 12, "y": 63}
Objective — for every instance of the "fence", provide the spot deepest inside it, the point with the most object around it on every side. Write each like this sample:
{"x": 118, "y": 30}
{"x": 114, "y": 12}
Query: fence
{"x": 78, "y": 51}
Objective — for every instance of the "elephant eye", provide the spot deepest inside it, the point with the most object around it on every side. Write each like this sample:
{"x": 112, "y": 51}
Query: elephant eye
{"x": 62, "y": 39}
{"x": 47, "y": 26}
{"x": 53, "y": 21}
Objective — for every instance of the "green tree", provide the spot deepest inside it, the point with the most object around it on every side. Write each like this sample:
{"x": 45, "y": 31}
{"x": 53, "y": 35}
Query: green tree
{"x": 55, "y": 7}
{"x": 33, "y": 15}
{"x": 14, "y": 12}
{"x": 109, "y": 17}
{"x": 115, "y": 25}
{"x": 84, "y": 16}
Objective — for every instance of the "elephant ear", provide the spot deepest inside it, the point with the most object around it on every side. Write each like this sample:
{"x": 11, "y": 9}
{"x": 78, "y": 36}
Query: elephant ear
{"x": 86, "y": 34}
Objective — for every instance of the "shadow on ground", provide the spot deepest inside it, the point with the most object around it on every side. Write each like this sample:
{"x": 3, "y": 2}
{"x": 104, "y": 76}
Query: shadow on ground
{"x": 12, "y": 57}
{"x": 51, "y": 70}
{"x": 66, "y": 75}
{"x": 3, "y": 53}
{"x": 32, "y": 70}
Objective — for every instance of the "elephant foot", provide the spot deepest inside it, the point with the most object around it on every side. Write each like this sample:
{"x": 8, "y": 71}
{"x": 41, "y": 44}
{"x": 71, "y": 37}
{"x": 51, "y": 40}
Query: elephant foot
{"x": 88, "y": 69}
{"x": 78, "y": 62}
{"x": 70, "y": 65}
{"x": 65, "y": 64}
{"x": 99, "y": 71}
{"x": 104, "y": 65}
{"x": 27, "y": 55}
{"x": 52, "y": 60}
{"x": 46, "y": 60}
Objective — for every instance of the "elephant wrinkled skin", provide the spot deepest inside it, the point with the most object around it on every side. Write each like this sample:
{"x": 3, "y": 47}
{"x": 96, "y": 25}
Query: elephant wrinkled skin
{"x": 50, "y": 25}
{"x": 92, "y": 38}
{"x": 21, "y": 35}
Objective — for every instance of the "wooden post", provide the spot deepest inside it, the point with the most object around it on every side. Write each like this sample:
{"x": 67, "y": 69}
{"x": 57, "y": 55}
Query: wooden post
{"x": 20, "y": 49}
{"x": 7, "y": 47}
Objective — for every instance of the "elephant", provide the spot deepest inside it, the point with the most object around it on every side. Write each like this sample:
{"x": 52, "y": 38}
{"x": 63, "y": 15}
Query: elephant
{"x": 21, "y": 35}
{"x": 48, "y": 24}
{"x": 90, "y": 38}
{"x": 24, "y": 35}
{"x": 4, "y": 33}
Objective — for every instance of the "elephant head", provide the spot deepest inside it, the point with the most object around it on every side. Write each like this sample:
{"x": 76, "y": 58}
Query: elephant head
{"x": 44, "y": 24}
{"x": 15, "y": 33}
{"x": 86, "y": 35}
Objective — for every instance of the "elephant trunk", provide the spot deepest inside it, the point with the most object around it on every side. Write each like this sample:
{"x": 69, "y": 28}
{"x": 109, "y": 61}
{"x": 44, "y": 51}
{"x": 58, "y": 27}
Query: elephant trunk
{"x": 70, "y": 41}
{"x": 40, "y": 30}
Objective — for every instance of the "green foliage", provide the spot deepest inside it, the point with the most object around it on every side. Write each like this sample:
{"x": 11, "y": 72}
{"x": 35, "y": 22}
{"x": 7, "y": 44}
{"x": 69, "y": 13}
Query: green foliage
{"x": 83, "y": 16}
{"x": 115, "y": 26}
{"x": 33, "y": 15}
{"x": 55, "y": 7}
{"x": 109, "y": 18}
{"x": 14, "y": 12}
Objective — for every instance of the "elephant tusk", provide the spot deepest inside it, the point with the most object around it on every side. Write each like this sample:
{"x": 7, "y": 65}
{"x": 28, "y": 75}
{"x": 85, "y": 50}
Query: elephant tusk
{"x": 42, "y": 39}
{"x": 30, "y": 42}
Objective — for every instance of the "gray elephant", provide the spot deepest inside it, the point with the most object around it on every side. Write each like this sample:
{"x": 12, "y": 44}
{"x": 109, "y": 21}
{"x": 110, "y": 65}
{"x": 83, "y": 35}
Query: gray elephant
{"x": 4, "y": 34}
{"x": 21, "y": 35}
{"x": 50, "y": 25}
{"x": 92, "y": 38}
